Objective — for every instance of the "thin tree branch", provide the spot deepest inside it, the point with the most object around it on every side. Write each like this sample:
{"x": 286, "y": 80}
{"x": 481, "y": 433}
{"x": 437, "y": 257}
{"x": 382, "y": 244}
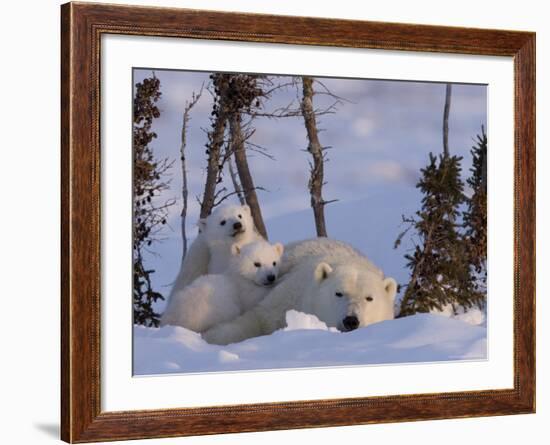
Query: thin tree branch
{"x": 184, "y": 189}
{"x": 446, "y": 110}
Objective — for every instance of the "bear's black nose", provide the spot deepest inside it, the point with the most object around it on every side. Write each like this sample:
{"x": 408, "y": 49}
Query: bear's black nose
{"x": 237, "y": 226}
{"x": 350, "y": 323}
{"x": 271, "y": 278}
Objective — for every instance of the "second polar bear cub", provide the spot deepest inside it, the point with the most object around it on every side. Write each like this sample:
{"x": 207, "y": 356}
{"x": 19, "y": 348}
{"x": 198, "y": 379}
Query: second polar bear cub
{"x": 211, "y": 250}
{"x": 216, "y": 298}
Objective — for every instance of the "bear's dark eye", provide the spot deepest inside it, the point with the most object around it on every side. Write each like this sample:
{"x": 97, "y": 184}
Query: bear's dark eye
{"x": 222, "y": 223}
{"x": 369, "y": 298}
{"x": 339, "y": 294}
{"x": 274, "y": 263}
{"x": 257, "y": 264}
{"x": 240, "y": 216}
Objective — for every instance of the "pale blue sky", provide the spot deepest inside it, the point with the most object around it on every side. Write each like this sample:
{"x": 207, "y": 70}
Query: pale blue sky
{"x": 380, "y": 140}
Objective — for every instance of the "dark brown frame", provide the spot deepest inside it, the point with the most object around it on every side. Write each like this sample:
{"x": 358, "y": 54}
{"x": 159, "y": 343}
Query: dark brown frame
{"x": 81, "y": 28}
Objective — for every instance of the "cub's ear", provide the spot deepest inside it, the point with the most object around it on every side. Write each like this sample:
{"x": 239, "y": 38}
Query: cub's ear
{"x": 390, "y": 286}
{"x": 279, "y": 248}
{"x": 235, "y": 250}
{"x": 246, "y": 208}
{"x": 202, "y": 224}
{"x": 322, "y": 271}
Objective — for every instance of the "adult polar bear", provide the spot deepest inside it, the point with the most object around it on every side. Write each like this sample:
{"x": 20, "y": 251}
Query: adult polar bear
{"x": 324, "y": 277}
{"x": 211, "y": 251}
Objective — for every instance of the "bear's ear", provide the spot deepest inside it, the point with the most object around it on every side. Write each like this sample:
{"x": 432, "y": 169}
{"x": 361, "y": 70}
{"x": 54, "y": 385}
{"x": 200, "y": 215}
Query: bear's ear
{"x": 279, "y": 248}
{"x": 390, "y": 286}
{"x": 202, "y": 224}
{"x": 235, "y": 250}
{"x": 322, "y": 271}
{"x": 246, "y": 208}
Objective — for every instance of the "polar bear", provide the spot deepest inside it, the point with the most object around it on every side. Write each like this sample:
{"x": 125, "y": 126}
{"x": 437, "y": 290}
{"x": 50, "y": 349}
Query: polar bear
{"x": 211, "y": 250}
{"x": 215, "y": 298}
{"x": 327, "y": 278}
{"x": 296, "y": 252}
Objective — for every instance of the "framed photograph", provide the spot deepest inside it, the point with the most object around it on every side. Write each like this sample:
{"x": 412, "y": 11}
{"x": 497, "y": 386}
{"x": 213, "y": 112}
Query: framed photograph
{"x": 274, "y": 222}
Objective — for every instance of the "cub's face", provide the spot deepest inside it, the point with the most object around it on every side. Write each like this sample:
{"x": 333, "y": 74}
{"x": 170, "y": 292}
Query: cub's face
{"x": 258, "y": 262}
{"x": 228, "y": 223}
{"x": 347, "y": 297}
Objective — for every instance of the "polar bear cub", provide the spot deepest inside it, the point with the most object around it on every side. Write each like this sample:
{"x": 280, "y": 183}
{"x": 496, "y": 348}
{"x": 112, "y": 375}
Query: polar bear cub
{"x": 211, "y": 250}
{"x": 216, "y": 298}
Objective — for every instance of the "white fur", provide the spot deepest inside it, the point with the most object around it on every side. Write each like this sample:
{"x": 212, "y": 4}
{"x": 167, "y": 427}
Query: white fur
{"x": 326, "y": 248}
{"x": 211, "y": 250}
{"x": 319, "y": 269}
{"x": 216, "y": 298}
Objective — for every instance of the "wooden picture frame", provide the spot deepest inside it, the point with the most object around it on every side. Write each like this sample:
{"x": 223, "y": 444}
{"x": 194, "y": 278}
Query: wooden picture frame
{"x": 82, "y": 26}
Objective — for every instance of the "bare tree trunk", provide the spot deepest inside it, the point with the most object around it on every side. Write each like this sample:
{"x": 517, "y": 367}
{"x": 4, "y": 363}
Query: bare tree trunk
{"x": 235, "y": 181}
{"x": 184, "y": 189}
{"x": 249, "y": 190}
{"x": 446, "y": 110}
{"x": 216, "y": 137}
{"x": 316, "y": 180}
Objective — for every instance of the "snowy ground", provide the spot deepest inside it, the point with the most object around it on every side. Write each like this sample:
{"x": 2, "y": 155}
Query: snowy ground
{"x": 307, "y": 342}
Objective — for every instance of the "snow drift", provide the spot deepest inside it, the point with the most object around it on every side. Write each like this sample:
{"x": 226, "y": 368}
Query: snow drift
{"x": 307, "y": 342}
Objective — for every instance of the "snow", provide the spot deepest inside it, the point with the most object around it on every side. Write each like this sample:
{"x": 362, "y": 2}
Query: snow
{"x": 296, "y": 320}
{"x": 473, "y": 316}
{"x": 307, "y": 342}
